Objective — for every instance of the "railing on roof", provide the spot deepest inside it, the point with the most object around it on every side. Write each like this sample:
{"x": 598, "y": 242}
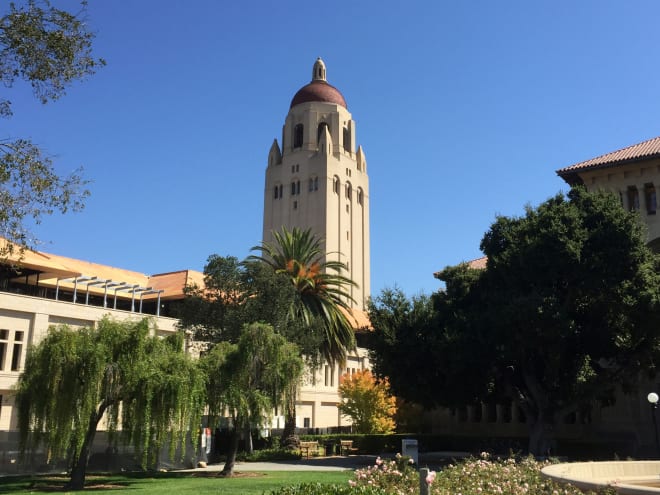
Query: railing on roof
{"x": 108, "y": 284}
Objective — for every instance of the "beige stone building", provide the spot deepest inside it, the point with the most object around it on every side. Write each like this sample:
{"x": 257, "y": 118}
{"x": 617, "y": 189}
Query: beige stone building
{"x": 39, "y": 290}
{"x": 318, "y": 179}
{"x": 632, "y": 173}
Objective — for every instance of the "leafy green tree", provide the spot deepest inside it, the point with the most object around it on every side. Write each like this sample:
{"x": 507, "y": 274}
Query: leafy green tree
{"x": 238, "y": 293}
{"x": 49, "y": 49}
{"x": 368, "y": 402}
{"x": 566, "y": 310}
{"x": 323, "y": 294}
{"x": 117, "y": 370}
{"x": 404, "y": 343}
{"x": 249, "y": 379}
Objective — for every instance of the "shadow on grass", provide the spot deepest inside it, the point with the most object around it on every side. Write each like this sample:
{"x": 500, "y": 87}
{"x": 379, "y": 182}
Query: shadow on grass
{"x": 47, "y": 483}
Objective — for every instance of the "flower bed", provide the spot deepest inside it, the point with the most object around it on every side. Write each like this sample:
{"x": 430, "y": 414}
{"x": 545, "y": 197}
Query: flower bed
{"x": 482, "y": 476}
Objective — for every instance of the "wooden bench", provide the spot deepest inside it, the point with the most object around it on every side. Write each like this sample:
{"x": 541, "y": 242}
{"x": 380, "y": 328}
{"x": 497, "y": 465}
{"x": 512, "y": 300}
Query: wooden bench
{"x": 307, "y": 448}
{"x": 346, "y": 447}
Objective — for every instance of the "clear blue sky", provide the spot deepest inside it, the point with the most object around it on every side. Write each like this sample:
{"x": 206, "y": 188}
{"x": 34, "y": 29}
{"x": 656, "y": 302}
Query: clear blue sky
{"x": 465, "y": 109}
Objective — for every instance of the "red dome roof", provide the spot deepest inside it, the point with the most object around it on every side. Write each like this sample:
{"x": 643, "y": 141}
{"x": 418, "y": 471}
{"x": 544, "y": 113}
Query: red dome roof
{"x": 318, "y": 90}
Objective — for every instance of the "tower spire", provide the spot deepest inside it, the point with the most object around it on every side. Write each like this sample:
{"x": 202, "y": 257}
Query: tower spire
{"x": 318, "y": 72}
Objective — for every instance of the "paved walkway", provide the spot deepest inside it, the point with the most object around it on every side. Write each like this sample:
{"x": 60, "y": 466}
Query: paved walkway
{"x": 333, "y": 463}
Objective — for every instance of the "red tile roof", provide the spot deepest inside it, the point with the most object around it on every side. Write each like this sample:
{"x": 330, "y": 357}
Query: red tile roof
{"x": 477, "y": 264}
{"x": 642, "y": 151}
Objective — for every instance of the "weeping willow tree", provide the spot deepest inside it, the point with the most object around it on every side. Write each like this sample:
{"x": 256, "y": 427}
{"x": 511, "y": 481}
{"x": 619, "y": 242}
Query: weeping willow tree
{"x": 119, "y": 371}
{"x": 249, "y": 379}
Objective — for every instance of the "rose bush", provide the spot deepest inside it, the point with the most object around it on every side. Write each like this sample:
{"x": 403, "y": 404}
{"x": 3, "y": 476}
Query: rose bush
{"x": 473, "y": 476}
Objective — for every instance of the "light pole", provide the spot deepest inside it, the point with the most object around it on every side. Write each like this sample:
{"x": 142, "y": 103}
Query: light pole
{"x": 653, "y": 400}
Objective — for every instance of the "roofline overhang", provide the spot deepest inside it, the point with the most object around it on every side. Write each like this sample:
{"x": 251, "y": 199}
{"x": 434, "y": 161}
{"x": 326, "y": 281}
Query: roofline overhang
{"x": 572, "y": 176}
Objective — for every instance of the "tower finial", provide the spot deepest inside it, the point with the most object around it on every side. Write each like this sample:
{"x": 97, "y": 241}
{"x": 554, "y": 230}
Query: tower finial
{"x": 318, "y": 72}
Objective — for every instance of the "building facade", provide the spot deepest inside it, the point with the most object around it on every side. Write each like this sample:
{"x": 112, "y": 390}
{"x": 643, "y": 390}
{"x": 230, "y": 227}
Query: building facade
{"x": 317, "y": 179}
{"x": 632, "y": 174}
{"x": 39, "y": 290}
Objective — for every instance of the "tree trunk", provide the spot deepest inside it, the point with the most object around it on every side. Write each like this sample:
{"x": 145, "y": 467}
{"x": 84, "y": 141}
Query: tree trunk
{"x": 289, "y": 438}
{"x": 79, "y": 469}
{"x": 249, "y": 448}
{"x": 538, "y": 438}
{"x": 228, "y": 469}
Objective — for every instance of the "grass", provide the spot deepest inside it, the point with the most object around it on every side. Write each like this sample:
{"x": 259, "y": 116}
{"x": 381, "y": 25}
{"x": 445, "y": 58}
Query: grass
{"x": 247, "y": 483}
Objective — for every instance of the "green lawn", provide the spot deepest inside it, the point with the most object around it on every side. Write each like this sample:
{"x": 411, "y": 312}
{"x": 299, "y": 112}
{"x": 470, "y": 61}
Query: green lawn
{"x": 175, "y": 483}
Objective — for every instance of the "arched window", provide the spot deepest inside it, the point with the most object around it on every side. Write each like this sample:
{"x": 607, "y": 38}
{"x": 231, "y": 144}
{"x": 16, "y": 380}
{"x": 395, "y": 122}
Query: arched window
{"x": 360, "y": 196}
{"x": 349, "y": 191}
{"x": 298, "y": 136}
{"x": 322, "y": 126}
{"x": 347, "y": 139}
{"x": 335, "y": 185}
{"x": 277, "y": 190}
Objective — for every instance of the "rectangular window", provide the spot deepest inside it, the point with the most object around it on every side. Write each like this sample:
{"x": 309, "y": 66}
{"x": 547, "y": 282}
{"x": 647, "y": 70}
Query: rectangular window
{"x": 17, "y": 351}
{"x": 4, "y": 345}
{"x": 650, "y": 198}
{"x": 633, "y": 198}
{"x": 16, "y": 356}
{"x": 327, "y": 375}
{"x": 306, "y": 423}
{"x": 332, "y": 376}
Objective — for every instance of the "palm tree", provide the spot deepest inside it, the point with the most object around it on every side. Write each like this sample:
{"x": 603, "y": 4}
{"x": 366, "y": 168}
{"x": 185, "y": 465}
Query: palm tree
{"x": 323, "y": 291}
{"x": 323, "y": 295}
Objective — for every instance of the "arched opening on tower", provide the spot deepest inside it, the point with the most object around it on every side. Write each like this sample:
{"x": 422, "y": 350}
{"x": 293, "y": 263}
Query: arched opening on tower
{"x": 321, "y": 128}
{"x": 347, "y": 140}
{"x": 335, "y": 184}
{"x": 298, "y": 136}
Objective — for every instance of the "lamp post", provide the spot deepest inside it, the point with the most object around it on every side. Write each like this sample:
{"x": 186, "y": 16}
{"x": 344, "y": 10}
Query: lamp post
{"x": 653, "y": 400}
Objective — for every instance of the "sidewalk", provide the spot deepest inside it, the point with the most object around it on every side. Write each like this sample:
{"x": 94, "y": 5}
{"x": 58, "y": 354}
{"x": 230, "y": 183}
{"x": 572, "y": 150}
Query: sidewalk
{"x": 333, "y": 463}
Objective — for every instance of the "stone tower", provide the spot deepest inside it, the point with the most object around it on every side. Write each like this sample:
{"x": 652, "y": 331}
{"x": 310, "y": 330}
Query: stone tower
{"x": 318, "y": 179}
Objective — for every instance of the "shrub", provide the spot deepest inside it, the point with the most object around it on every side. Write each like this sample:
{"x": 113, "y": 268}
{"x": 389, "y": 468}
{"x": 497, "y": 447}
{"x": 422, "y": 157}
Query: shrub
{"x": 504, "y": 477}
{"x": 267, "y": 455}
{"x": 326, "y": 489}
{"x": 481, "y": 476}
{"x": 393, "y": 476}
